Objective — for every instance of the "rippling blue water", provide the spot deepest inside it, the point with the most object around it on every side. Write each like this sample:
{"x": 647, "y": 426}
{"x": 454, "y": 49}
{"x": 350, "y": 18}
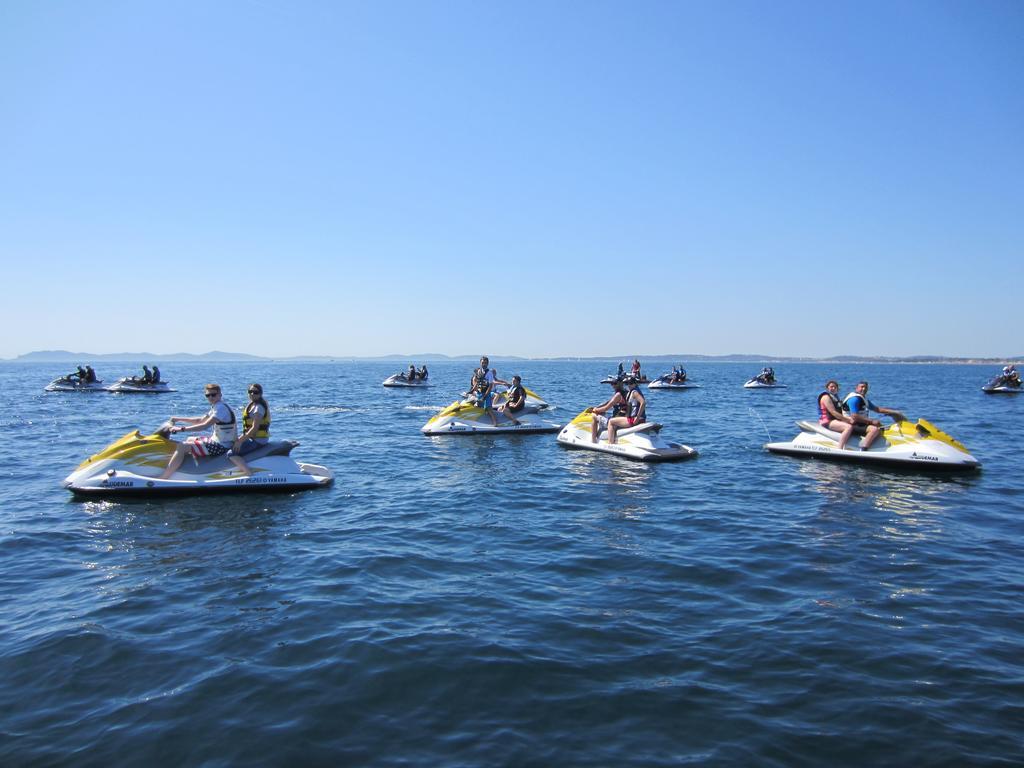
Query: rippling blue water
{"x": 502, "y": 601}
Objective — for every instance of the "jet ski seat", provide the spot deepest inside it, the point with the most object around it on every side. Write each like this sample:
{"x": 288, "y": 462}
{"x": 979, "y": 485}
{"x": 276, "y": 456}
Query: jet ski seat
{"x": 647, "y": 426}
{"x": 223, "y": 463}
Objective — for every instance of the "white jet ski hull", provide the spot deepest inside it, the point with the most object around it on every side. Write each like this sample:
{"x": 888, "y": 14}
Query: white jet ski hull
{"x": 613, "y": 379}
{"x": 1003, "y": 389}
{"x": 129, "y": 387}
{"x": 63, "y": 385}
{"x": 903, "y": 444}
{"x": 639, "y": 443}
{"x": 478, "y": 424}
{"x": 397, "y": 381}
{"x": 289, "y": 476}
{"x": 755, "y": 384}
{"x": 668, "y": 385}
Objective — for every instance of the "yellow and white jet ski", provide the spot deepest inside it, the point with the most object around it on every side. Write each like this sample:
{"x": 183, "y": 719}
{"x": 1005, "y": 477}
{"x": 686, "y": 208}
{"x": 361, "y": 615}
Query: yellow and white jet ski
{"x": 74, "y": 384}
{"x": 642, "y": 442}
{"x": 133, "y": 465}
{"x": 466, "y": 417}
{"x": 907, "y": 444}
{"x": 129, "y": 385}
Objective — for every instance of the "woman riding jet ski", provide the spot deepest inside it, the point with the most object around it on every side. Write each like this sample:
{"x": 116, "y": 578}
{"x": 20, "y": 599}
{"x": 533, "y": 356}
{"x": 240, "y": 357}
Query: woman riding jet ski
{"x": 764, "y": 380}
{"x": 133, "y": 464}
{"x": 1007, "y": 382}
{"x": 626, "y": 432}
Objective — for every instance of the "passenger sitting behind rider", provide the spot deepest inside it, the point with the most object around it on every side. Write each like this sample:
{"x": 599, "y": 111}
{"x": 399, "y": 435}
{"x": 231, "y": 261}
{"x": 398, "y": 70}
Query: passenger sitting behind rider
{"x": 255, "y": 429}
{"x": 225, "y": 431}
{"x": 859, "y": 406}
{"x": 830, "y": 413}
{"x": 516, "y": 401}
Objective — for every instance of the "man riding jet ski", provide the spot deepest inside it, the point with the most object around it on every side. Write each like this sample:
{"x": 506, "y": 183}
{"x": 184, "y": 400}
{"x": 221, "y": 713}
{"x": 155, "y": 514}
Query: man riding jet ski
{"x": 410, "y": 378}
{"x": 133, "y": 385}
{"x": 149, "y": 383}
{"x": 82, "y": 380}
{"x": 677, "y": 379}
{"x": 153, "y": 464}
{"x": 920, "y": 445}
{"x": 1007, "y": 382}
{"x": 514, "y": 410}
{"x": 625, "y": 432}
{"x": 764, "y": 380}
{"x": 133, "y": 464}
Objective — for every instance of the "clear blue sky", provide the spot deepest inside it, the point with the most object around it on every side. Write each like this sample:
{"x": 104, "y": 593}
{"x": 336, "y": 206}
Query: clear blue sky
{"x": 532, "y": 178}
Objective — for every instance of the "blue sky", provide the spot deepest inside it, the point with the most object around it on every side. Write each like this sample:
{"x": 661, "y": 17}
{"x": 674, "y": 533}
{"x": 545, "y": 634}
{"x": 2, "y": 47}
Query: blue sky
{"x": 537, "y": 178}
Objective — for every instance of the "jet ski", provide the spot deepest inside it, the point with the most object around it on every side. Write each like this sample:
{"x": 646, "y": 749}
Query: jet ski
{"x": 1002, "y": 385}
{"x": 665, "y": 382}
{"x": 74, "y": 384}
{"x": 612, "y": 379}
{"x": 756, "y": 383}
{"x": 920, "y": 445}
{"x": 402, "y": 380}
{"x": 466, "y": 417}
{"x": 642, "y": 442}
{"x": 132, "y": 386}
{"x": 133, "y": 464}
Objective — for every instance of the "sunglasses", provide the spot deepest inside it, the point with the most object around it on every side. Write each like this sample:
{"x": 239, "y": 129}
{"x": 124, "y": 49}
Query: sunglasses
{"x": 255, "y": 391}
{"x": 212, "y": 394}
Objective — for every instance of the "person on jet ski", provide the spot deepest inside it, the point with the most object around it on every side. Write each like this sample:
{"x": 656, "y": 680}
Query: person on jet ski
{"x": 678, "y": 375}
{"x": 635, "y": 370}
{"x": 423, "y": 372}
{"x": 481, "y": 386}
{"x": 622, "y": 372}
{"x": 1010, "y": 376}
{"x": 636, "y": 410}
{"x": 859, "y": 406}
{"x": 90, "y": 374}
{"x": 255, "y": 429}
{"x": 766, "y": 376}
{"x": 225, "y": 431}
{"x": 410, "y": 376}
{"x": 616, "y": 404}
{"x": 156, "y": 375}
{"x": 516, "y": 400}
{"x": 81, "y": 374}
{"x": 831, "y": 415}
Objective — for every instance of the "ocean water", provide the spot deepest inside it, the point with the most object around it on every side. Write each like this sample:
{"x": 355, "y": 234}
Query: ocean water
{"x": 499, "y": 600}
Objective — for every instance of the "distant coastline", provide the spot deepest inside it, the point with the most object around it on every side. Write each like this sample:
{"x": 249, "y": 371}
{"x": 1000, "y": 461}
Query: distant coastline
{"x": 63, "y": 356}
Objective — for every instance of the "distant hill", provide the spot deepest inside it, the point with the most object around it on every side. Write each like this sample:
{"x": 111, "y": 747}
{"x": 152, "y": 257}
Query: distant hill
{"x": 63, "y": 356}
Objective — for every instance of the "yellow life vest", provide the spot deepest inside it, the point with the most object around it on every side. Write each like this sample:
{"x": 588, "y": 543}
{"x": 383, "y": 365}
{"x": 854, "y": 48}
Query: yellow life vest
{"x": 248, "y": 417}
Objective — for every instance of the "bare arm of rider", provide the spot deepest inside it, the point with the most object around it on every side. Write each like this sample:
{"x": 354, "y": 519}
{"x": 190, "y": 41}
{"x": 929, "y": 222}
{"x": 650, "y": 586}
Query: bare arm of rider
{"x": 615, "y": 399}
{"x": 196, "y": 423}
{"x": 897, "y": 415}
